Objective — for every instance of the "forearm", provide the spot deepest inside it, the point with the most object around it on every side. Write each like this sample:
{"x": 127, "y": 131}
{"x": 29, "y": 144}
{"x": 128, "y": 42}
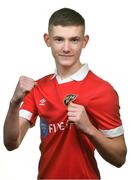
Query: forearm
{"x": 14, "y": 128}
{"x": 112, "y": 150}
{"x": 11, "y": 126}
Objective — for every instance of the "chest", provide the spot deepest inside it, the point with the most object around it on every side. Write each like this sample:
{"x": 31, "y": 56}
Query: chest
{"x": 50, "y": 99}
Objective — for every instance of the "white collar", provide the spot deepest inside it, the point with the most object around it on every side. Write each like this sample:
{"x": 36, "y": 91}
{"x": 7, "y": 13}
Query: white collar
{"x": 77, "y": 76}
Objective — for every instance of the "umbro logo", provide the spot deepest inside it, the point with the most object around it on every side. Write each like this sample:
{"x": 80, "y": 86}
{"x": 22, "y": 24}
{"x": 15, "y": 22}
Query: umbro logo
{"x": 42, "y": 102}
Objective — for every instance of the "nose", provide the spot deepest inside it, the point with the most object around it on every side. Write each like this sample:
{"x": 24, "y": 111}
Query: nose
{"x": 66, "y": 47}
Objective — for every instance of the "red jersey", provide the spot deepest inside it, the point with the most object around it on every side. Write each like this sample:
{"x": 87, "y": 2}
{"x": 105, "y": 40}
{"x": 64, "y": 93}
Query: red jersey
{"x": 66, "y": 152}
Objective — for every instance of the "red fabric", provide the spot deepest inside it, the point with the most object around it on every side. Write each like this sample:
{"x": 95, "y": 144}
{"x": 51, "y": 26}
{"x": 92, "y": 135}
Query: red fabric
{"x": 66, "y": 152}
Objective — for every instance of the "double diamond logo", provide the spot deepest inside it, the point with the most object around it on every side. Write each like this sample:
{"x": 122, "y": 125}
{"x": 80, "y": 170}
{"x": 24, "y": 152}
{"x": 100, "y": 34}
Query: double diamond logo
{"x": 42, "y": 102}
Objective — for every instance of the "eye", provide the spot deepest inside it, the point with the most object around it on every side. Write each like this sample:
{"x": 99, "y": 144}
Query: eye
{"x": 58, "y": 39}
{"x": 75, "y": 40}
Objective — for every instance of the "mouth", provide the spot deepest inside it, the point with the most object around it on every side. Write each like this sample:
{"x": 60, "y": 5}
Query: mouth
{"x": 64, "y": 55}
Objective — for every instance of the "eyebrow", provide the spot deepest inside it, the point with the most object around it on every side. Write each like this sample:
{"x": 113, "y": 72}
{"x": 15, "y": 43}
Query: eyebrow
{"x": 61, "y": 37}
{"x": 75, "y": 37}
{"x": 55, "y": 37}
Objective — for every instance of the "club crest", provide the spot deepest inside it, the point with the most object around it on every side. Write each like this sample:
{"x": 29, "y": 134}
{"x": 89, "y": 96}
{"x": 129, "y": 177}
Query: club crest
{"x": 69, "y": 98}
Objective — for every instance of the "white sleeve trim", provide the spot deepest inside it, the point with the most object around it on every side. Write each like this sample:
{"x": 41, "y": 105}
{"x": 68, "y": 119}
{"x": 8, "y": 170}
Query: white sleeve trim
{"x": 113, "y": 132}
{"x": 25, "y": 114}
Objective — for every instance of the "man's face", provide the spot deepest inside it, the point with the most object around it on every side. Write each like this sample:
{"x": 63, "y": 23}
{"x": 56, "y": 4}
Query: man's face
{"x": 66, "y": 44}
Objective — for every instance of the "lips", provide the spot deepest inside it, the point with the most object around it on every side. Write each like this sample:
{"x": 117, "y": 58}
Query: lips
{"x": 63, "y": 55}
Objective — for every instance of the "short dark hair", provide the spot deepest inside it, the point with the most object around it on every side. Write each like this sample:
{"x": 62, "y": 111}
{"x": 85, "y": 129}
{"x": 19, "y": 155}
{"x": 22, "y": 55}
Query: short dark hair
{"x": 65, "y": 17}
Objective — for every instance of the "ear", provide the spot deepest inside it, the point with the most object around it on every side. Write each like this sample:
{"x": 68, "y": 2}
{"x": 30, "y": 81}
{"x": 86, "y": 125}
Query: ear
{"x": 46, "y": 39}
{"x": 85, "y": 40}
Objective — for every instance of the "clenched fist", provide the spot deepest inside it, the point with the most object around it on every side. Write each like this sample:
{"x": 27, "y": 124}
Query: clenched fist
{"x": 78, "y": 115}
{"x": 25, "y": 85}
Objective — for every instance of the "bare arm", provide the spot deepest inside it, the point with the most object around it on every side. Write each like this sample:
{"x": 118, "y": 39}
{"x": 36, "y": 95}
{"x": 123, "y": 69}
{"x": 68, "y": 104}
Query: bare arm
{"x": 112, "y": 150}
{"x": 15, "y": 127}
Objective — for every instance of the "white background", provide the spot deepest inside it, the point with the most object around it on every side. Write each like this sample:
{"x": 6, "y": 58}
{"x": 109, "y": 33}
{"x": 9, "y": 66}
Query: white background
{"x": 23, "y": 52}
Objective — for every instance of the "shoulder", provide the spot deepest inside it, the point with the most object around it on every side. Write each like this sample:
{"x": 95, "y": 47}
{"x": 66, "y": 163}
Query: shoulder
{"x": 99, "y": 82}
{"x": 100, "y": 87}
{"x": 45, "y": 84}
{"x": 45, "y": 79}
{"x": 103, "y": 95}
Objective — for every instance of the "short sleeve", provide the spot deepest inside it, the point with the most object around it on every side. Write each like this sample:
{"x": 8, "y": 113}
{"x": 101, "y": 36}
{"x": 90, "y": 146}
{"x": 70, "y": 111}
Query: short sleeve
{"x": 28, "y": 108}
{"x": 104, "y": 109}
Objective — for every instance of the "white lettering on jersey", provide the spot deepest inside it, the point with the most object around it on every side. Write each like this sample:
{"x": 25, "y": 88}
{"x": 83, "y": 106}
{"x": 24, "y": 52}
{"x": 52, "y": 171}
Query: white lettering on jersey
{"x": 57, "y": 127}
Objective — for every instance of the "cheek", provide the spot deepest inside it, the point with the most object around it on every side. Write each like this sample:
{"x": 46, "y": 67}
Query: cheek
{"x": 56, "y": 49}
{"x": 78, "y": 50}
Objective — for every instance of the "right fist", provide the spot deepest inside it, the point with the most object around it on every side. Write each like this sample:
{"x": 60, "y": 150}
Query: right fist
{"x": 25, "y": 85}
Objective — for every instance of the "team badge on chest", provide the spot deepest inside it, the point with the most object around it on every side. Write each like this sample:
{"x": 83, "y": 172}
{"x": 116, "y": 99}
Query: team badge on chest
{"x": 69, "y": 98}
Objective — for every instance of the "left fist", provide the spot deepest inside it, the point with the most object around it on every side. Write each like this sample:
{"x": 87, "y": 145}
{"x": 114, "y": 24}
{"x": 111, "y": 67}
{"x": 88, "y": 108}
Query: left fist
{"x": 78, "y": 115}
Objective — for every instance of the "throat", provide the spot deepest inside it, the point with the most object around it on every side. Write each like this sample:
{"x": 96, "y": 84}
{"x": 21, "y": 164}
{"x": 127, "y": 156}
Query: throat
{"x": 65, "y": 72}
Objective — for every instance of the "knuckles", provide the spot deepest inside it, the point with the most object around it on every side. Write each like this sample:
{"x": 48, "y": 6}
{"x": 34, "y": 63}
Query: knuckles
{"x": 26, "y": 84}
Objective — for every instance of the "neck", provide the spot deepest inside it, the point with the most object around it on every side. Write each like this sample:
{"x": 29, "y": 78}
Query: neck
{"x": 66, "y": 71}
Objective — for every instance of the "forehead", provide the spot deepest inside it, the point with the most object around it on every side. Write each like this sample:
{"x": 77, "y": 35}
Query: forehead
{"x": 67, "y": 31}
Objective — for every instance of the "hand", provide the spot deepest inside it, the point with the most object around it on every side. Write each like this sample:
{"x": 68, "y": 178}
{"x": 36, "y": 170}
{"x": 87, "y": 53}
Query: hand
{"x": 25, "y": 85}
{"x": 78, "y": 115}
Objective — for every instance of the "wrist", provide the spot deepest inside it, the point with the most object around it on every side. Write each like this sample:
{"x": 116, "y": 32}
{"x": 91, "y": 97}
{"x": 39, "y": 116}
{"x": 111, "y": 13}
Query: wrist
{"x": 15, "y": 102}
{"x": 91, "y": 131}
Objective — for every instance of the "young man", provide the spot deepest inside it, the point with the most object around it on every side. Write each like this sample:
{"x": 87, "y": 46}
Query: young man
{"x": 79, "y": 112}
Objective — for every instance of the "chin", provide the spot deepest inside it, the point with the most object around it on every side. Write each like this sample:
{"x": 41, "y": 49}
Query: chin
{"x": 65, "y": 64}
